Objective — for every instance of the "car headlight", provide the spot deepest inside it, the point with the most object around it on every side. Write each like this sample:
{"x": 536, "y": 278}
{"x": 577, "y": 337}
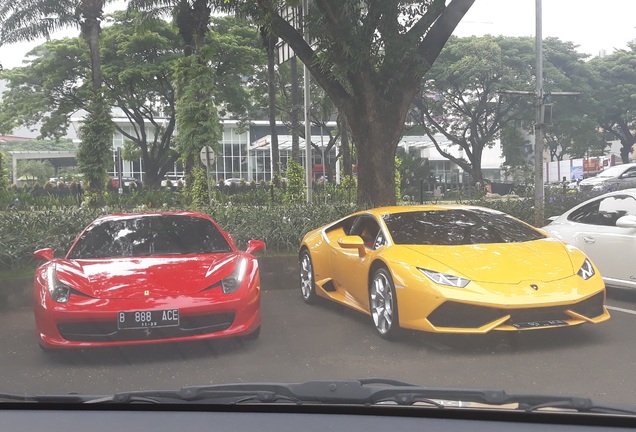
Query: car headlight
{"x": 234, "y": 280}
{"x": 587, "y": 270}
{"x": 445, "y": 279}
{"x": 58, "y": 291}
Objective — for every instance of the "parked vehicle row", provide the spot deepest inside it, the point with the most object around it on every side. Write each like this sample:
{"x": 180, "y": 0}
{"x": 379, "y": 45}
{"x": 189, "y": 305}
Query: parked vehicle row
{"x": 170, "y": 276}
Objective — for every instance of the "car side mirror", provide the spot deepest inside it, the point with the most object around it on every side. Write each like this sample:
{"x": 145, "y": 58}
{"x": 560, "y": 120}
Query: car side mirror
{"x": 45, "y": 254}
{"x": 254, "y": 246}
{"x": 627, "y": 221}
{"x": 353, "y": 242}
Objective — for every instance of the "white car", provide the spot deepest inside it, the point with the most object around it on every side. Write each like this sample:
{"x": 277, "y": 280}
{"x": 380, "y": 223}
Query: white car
{"x": 174, "y": 180}
{"x": 234, "y": 181}
{"x": 605, "y": 229}
{"x": 619, "y": 176}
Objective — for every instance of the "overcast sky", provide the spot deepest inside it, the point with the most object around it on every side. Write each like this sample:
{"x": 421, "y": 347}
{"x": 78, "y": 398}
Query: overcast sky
{"x": 594, "y": 25}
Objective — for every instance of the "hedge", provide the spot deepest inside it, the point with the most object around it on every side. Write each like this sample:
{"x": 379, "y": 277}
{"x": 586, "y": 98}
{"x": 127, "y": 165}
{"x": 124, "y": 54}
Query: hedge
{"x": 280, "y": 226}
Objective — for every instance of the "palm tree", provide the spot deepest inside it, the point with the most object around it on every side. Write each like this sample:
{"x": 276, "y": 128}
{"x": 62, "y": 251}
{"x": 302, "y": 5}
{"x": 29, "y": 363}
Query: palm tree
{"x": 27, "y": 20}
{"x": 190, "y": 16}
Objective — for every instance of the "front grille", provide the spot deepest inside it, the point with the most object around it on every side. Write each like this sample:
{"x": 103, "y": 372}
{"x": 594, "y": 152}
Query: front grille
{"x": 536, "y": 314}
{"x": 461, "y": 315}
{"x": 591, "y": 307}
{"x": 107, "y": 331}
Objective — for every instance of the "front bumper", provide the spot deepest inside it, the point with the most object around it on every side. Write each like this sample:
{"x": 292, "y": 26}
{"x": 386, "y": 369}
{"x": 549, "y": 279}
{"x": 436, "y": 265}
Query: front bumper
{"x": 490, "y": 307}
{"x": 454, "y": 317}
{"x": 89, "y": 322}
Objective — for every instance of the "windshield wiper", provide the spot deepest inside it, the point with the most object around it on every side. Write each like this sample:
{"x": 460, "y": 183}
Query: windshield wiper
{"x": 365, "y": 392}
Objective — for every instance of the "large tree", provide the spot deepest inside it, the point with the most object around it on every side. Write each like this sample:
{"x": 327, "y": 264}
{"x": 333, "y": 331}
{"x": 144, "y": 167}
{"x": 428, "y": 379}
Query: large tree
{"x": 33, "y": 19}
{"x": 29, "y": 20}
{"x": 460, "y": 97}
{"x": 142, "y": 89}
{"x": 614, "y": 93}
{"x": 464, "y": 98}
{"x": 198, "y": 119}
{"x": 573, "y": 131}
{"x": 370, "y": 56}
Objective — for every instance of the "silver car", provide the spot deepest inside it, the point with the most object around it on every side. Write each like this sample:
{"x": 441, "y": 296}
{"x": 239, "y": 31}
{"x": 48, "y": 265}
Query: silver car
{"x": 619, "y": 176}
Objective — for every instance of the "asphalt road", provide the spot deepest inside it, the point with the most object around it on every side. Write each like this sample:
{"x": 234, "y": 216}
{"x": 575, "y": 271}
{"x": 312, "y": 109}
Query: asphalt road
{"x": 299, "y": 342}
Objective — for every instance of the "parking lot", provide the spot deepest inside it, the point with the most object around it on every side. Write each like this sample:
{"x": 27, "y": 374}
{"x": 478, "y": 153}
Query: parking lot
{"x": 301, "y": 342}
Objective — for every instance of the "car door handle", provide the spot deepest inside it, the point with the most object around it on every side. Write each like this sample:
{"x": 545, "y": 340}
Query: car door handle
{"x": 589, "y": 240}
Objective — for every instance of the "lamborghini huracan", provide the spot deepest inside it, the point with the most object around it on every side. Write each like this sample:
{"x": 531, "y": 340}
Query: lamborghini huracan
{"x": 450, "y": 269}
{"x": 147, "y": 278}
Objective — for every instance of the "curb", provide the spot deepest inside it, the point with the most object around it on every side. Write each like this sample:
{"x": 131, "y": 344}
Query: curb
{"x": 277, "y": 273}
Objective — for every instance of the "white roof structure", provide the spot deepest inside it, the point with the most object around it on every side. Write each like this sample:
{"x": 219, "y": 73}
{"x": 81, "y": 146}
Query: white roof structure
{"x": 491, "y": 157}
{"x": 29, "y": 154}
{"x": 285, "y": 142}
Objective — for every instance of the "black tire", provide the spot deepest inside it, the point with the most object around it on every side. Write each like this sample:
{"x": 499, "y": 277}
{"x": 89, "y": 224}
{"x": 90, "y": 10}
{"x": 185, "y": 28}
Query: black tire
{"x": 307, "y": 282}
{"x": 46, "y": 349}
{"x": 383, "y": 304}
{"x": 252, "y": 336}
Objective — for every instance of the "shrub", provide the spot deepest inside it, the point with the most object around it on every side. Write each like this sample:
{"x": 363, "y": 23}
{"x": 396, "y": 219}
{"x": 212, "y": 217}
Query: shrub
{"x": 295, "y": 191}
{"x": 557, "y": 202}
{"x": 23, "y": 232}
{"x": 197, "y": 193}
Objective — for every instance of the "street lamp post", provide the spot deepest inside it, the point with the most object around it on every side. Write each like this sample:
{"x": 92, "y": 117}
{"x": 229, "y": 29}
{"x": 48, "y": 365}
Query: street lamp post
{"x": 538, "y": 126}
{"x": 539, "y": 95}
{"x": 308, "y": 165}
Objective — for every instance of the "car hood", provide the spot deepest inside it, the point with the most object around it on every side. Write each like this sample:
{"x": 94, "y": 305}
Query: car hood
{"x": 132, "y": 277}
{"x": 596, "y": 180}
{"x": 540, "y": 260}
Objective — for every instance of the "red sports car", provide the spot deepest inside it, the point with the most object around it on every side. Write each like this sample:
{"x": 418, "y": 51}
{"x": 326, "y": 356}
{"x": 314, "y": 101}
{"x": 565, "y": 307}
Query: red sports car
{"x": 147, "y": 278}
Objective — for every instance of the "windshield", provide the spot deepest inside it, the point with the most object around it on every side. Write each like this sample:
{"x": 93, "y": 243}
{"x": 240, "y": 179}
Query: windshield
{"x": 148, "y": 236}
{"x": 457, "y": 227}
{"x": 201, "y": 193}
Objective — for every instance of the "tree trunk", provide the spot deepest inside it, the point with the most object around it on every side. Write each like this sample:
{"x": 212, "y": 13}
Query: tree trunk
{"x": 476, "y": 174}
{"x": 626, "y": 148}
{"x": 376, "y": 141}
{"x": 90, "y": 29}
{"x": 295, "y": 111}
{"x": 270, "y": 45}
{"x": 344, "y": 145}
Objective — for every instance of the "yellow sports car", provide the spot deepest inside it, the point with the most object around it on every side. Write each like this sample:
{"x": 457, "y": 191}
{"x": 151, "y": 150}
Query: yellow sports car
{"x": 450, "y": 269}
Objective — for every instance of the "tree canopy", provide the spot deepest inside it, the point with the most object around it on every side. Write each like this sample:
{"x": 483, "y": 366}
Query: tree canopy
{"x": 615, "y": 96}
{"x": 464, "y": 99}
{"x": 369, "y": 57}
{"x": 142, "y": 90}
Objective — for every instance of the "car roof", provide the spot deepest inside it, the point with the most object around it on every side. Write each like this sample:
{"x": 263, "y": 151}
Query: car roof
{"x": 115, "y": 216}
{"x": 623, "y": 166}
{"x": 382, "y": 211}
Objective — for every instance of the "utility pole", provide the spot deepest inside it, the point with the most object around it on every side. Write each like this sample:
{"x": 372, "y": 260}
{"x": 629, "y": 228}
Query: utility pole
{"x": 308, "y": 165}
{"x": 539, "y": 95}
{"x": 285, "y": 53}
{"x": 539, "y": 201}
